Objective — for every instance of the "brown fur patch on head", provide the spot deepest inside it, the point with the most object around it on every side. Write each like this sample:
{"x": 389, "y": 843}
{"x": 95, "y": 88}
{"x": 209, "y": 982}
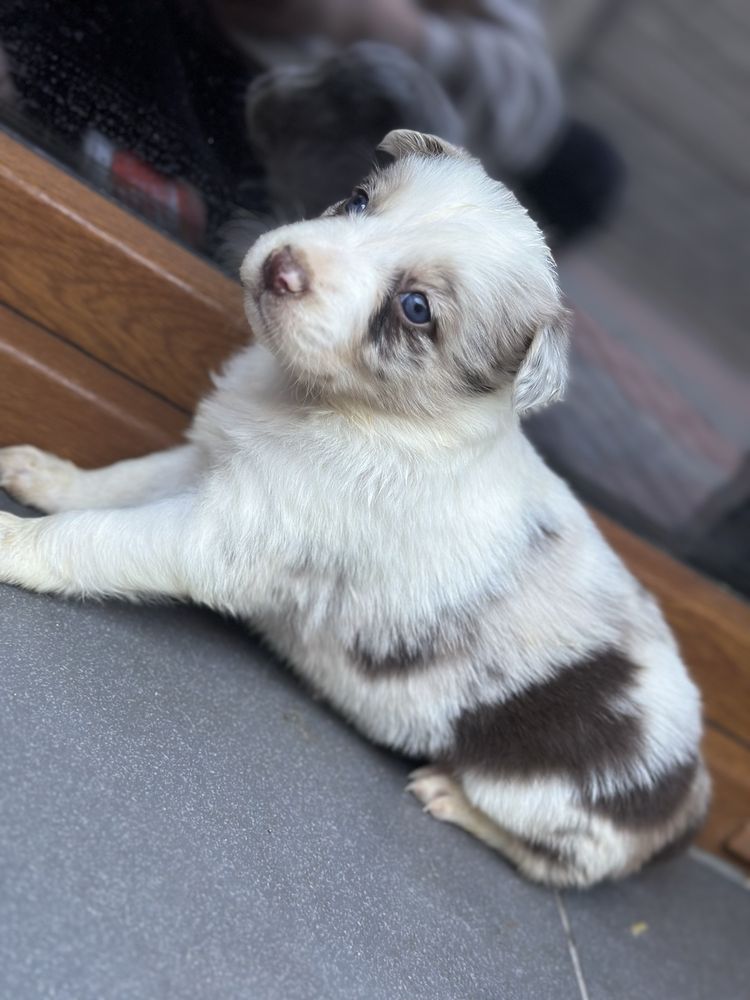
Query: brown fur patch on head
{"x": 403, "y": 142}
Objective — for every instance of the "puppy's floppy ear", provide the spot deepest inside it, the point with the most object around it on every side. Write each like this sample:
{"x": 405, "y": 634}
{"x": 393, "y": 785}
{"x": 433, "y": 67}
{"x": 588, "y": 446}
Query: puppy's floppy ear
{"x": 543, "y": 372}
{"x": 402, "y": 142}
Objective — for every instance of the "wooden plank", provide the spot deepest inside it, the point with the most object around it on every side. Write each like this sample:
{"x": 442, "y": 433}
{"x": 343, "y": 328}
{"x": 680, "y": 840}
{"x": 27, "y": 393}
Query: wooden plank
{"x": 738, "y": 844}
{"x": 85, "y": 269}
{"x": 57, "y": 398}
{"x": 729, "y": 762}
{"x": 711, "y": 624}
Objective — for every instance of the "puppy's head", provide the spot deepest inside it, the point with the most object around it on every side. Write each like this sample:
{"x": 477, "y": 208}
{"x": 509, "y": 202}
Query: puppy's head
{"x": 428, "y": 286}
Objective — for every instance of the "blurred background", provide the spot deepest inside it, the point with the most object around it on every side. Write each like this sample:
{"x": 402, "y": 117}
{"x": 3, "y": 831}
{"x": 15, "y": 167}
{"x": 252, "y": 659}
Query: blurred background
{"x": 656, "y": 427}
{"x": 621, "y": 124}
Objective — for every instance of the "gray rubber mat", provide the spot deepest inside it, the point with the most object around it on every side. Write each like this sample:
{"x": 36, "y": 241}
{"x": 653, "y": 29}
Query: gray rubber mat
{"x": 179, "y": 818}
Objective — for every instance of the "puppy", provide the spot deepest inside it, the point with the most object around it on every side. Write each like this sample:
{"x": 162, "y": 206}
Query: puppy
{"x": 359, "y": 488}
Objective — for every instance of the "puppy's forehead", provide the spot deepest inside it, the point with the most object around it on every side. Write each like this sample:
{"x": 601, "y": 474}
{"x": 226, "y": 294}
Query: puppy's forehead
{"x": 435, "y": 187}
{"x": 445, "y": 211}
{"x": 451, "y": 206}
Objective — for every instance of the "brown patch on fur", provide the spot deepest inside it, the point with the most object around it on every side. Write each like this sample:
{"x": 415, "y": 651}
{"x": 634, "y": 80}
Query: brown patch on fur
{"x": 401, "y": 658}
{"x": 498, "y": 369}
{"x": 382, "y": 329}
{"x": 451, "y": 635}
{"x": 541, "y": 536}
{"x": 403, "y": 142}
{"x": 448, "y": 636}
{"x": 569, "y": 724}
{"x": 388, "y": 330}
{"x": 549, "y": 533}
{"x": 383, "y": 159}
{"x": 553, "y": 854}
{"x": 638, "y": 806}
{"x": 476, "y": 382}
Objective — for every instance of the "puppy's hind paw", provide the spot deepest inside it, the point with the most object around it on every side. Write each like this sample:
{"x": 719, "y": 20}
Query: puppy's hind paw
{"x": 34, "y": 477}
{"x": 440, "y": 794}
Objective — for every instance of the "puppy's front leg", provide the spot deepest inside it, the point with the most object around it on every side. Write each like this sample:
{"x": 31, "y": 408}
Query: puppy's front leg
{"x": 133, "y": 552}
{"x": 53, "y": 484}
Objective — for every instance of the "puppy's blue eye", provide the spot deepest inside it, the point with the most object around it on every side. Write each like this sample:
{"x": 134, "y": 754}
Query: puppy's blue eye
{"x": 357, "y": 203}
{"x": 415, "y": 307}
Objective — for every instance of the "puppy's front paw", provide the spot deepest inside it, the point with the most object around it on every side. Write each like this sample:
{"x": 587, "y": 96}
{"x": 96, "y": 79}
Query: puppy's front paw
{"x": 35, "y": 477}
{"x": 439, "y": 792}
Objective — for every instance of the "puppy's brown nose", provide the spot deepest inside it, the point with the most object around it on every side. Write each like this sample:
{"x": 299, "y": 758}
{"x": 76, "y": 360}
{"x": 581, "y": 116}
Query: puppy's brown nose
{"x": 283, "y": 273}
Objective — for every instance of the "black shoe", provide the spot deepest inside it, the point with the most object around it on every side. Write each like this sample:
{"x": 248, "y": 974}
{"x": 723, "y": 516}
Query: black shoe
{"x": 577, "y": 187}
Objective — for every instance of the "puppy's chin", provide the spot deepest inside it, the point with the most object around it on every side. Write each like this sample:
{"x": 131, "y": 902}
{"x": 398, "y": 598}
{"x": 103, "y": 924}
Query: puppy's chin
{"x": 279, "y": 324}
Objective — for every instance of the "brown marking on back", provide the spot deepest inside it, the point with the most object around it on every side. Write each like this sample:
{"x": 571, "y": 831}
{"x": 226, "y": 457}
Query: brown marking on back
{"x": 570, "y": 724}
{"x": 640, "y": 806}
{"x": 451, "y": 634}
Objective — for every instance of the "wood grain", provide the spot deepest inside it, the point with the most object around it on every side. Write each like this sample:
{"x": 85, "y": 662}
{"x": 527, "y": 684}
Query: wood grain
{"x": 729, "y": 762}
{"x": 711, "y": 624}
{"x": 82, "y": 267}
{"x": 56, "y": 398}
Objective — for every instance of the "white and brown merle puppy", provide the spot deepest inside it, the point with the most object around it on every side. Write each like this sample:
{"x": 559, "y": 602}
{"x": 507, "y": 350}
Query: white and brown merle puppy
{"x": 359, "y": 488}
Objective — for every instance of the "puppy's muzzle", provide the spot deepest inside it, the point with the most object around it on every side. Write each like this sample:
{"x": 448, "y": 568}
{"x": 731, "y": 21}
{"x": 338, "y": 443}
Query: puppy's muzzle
{"x": 284, "y": 272}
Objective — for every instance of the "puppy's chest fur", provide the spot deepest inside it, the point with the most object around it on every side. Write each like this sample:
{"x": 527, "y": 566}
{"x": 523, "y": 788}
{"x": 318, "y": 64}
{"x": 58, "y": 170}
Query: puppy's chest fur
{"x": 371, "y": 588}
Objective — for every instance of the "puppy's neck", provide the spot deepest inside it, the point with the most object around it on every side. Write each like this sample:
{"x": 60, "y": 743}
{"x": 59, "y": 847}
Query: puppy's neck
{"x": 472, "y": 423}
{"x": 273, "y": 400}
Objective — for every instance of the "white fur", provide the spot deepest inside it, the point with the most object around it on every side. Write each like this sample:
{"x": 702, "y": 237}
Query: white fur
{"x": 339, "y": 495}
